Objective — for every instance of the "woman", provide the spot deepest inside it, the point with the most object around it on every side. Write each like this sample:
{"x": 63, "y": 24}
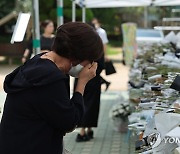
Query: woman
{"x": 92, "y": 103}
{"x": 103, "y": 35}
{"x": 38, "y": 111}
{"x": 91, "y": 98}
{"x": 46, "y": 40}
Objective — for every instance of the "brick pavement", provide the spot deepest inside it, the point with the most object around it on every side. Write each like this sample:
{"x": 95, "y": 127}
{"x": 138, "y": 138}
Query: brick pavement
{"x": 106, "y": 141}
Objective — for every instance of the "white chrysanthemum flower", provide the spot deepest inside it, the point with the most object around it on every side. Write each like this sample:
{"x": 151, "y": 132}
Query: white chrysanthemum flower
{"x": 121, "y": 111}
{"x": 127, "y": 108}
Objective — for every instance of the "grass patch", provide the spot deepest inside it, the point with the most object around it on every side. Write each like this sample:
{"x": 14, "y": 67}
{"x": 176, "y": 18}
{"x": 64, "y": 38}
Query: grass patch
{"x": 115, "y": 43}
{"x": 112, "y": 51}
{"x": 113, "y": 47}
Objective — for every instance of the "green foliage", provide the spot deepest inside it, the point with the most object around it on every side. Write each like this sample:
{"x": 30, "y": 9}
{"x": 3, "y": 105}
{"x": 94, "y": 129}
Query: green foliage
{"x": 5, "y": 39}
{"x": 106, "y": 16}
{"x": 5, "y": 7}
{"x": 112, "y": 18}
{"x": 48, "y": 11}
{"x": 23, "y": 5}
{"x": 112, "y": 51}
{"x": 18, "y": 5}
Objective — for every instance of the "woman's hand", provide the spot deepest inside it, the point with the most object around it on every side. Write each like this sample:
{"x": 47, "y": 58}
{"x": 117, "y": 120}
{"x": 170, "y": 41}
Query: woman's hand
{"x": 23, "y": 60}
{"x": 26, "y": 54}
{"x": 42, "y": 51}
{"x": 106, "y": 59}
{"x": 87, "y": 73}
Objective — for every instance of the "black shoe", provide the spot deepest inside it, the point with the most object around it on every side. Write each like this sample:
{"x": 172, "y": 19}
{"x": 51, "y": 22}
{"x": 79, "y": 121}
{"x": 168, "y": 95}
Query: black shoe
{"x": 81, "y": 138}
{"x": 90, "y": 134}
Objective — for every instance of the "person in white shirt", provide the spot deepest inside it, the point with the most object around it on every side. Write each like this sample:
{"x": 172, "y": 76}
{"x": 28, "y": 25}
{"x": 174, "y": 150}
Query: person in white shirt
{"x": 103, "y": 35}
{"x": 92, "y": 98}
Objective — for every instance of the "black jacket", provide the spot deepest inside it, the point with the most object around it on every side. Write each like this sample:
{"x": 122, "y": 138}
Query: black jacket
{"x": 38, "y": 110}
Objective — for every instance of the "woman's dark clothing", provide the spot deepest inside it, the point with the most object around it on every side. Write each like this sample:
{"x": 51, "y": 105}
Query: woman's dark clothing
{"x": 38, "y": 111}
{"x": 30, "y": 47}
{"x": 91, "y": 98}
{"x": 46, "y": 44}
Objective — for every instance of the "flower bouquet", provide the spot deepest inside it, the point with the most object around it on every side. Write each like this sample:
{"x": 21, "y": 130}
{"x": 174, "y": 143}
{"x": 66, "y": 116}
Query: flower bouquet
{"x": 119, "y": 115}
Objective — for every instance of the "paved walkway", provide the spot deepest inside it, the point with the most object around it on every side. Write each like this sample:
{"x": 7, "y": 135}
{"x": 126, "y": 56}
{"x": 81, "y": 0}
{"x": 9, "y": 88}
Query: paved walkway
{"x": 106, "y": 141}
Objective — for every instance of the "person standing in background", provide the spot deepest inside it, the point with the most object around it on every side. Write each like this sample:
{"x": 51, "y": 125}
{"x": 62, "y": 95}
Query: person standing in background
{"x": 46, "y": 40}
{"x": 91, "y": 98}
{"x": 92, "y": 95}
{"x": 103, "y": 35}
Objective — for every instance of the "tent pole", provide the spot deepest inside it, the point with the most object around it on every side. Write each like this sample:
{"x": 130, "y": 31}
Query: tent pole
{"x": 60, "y": 19}
{"x": 73, "y": 11}
{"x": 83, "y": 14}
{"x": 36, "y": 30}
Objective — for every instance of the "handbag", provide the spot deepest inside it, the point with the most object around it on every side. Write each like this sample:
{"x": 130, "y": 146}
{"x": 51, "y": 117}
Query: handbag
{"x": 109, "y": 68}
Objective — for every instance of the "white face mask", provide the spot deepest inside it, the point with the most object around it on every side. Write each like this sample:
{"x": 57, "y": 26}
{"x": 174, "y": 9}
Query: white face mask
{"x": 75, "y": 70}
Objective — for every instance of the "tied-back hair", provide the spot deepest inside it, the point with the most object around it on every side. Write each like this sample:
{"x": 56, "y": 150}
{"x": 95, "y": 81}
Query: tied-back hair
{"x": 44, "y": 24}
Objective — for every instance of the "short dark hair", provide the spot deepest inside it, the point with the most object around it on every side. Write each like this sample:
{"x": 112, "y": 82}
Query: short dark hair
{"x": 78, "y": 41}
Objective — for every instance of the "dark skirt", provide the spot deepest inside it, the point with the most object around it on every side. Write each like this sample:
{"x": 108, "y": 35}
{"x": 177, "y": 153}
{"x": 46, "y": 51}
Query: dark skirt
{"x": 92, "y": 102}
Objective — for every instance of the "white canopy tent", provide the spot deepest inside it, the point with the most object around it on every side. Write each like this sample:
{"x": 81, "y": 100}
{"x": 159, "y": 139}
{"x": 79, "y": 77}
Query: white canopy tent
{"x": 125, "y": 3}
{"x": 167, "y": 3}
{"x": 120, "y": 3}
{"x": 112, "y": 3}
